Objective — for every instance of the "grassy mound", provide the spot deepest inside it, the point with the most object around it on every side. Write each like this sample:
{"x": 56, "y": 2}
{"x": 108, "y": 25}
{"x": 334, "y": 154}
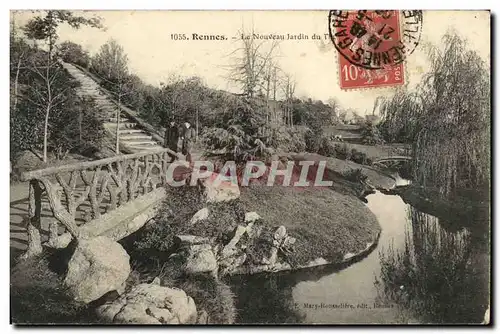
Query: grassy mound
{"x": 39, "y": 297}
{"x": 325, "y": 223}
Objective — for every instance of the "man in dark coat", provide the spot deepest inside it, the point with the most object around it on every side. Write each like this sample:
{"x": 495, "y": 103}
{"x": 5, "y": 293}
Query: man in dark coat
{"x": 189, "y": 137}
{"x": 172, "y": 138}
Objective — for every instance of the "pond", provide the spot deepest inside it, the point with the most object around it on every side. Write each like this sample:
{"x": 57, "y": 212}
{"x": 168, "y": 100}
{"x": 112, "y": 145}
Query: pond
{"x": 420, "y": 272}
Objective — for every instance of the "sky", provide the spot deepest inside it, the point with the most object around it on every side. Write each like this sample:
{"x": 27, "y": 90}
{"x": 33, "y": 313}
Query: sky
{"x": 154, "y": 56}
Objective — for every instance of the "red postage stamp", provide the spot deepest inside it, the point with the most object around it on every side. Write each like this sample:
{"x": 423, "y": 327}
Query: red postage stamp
{"x": 373, "y": 45}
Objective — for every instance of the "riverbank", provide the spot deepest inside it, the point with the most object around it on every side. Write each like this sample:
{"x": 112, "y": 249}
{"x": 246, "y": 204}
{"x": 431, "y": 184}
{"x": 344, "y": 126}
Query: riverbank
{"x": 335, "y": 169}
{"x": 328, "y": 226}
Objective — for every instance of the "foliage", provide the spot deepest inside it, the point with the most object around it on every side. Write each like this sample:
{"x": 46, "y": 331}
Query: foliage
{"x": 354, "y": 175}
{"x": 285, "y": 139}
{"x": 252, "y": 64}
{"x": 447, "y": 118}
{"x": 182, "y": 203}
{"x": 111, "y": 62}
{"x": 73, "y": 53}
{"x": 245, "y": 135}
{"x": 331, "y": 148}
{"x": 359, "y": 157}
{"x": 313, "y": 114}
{"x": 73, "y": 125}
{"x": 44, "y": 27}
{"x": 80, "y": 131}
{"x": 371, "y": 134}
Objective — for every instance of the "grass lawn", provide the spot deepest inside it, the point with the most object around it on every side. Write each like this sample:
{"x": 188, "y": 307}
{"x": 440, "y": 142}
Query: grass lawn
{"x": 335, "y": 167}
{"x": 378, "y": 151}
{"x": 325, "y": 223}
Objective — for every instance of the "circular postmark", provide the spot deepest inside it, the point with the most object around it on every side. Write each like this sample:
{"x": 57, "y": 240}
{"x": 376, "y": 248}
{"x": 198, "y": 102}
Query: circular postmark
{"x": 375, "y": 39}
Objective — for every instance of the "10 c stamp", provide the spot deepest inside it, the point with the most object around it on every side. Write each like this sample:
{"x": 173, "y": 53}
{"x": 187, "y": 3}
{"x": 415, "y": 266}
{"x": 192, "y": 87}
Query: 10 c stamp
{"x": 373, "y": 45}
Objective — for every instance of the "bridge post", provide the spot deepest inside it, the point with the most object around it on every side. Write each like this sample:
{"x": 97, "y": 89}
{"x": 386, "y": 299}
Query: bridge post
{"x": 34, "y": 220}
{"x": 35, "y": 204}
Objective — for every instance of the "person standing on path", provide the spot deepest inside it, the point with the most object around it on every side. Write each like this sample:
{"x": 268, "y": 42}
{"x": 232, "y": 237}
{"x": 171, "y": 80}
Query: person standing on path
{"x": 189, "y": 137}
{"x": 172, "y": 138}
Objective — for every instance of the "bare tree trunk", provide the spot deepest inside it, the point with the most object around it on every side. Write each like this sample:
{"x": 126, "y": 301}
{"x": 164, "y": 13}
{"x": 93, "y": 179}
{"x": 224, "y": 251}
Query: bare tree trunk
{"x": 45, "y": 132}
{"x": 17, "y": 81}
{"x": 80, "y": 125}
{"x": 197, "y": 124}
{"x": 49, "y": 103}
{"x": 118, "y": 112}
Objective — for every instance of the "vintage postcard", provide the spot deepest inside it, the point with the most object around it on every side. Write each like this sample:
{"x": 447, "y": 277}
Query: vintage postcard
{"x": 250, "y": 167}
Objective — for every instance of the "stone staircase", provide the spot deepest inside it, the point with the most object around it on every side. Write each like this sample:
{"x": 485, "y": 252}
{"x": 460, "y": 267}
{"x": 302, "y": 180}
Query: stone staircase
{"x": 133, "y": 137}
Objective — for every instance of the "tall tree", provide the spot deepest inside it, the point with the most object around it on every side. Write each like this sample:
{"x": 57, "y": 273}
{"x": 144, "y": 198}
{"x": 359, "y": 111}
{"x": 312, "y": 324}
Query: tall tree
{"x": 447, "y": 118}
{"x": 288, "y": 87}
{"x": 111, "y": 65}
{"x": 111, "y": 62}
{"x": 73, "y": 53}
{"x": 44, "y": 27}
{"x": 250, "y": 62}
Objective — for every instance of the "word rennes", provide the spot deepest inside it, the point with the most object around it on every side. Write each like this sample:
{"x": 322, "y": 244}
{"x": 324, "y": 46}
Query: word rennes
{"x": 197, "y": 37}
{"x": 253, "y": 170}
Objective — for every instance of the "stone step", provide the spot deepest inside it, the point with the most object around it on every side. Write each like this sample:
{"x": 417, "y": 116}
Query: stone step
{"x": 108, "y": 111}
{"x": 139, "y": 142}
{"x": 128, "y": 131}
{"x": 135, "y": 136}
{"x": 144, "y": 148}
{"x": 123, "y": 125}
{"x": 123, "y": 119}
{"x": 104, "y": 102}
{"x": 110, "y": 115}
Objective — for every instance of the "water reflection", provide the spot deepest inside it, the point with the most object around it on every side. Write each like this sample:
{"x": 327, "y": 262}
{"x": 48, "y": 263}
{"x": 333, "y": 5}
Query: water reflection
{"x": 422, "y": 271}
{"x": 265, "y": 299}
{"x": 439, "y": 276}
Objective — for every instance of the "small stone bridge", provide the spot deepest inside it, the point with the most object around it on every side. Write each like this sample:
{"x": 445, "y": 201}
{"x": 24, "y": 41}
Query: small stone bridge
{"x": 113, "y": 197}
{"x": 391, "y": 161}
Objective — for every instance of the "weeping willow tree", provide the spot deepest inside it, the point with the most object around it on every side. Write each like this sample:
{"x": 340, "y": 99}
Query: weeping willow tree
{"x": 446, "y": 118}
{"x": 435, "y": 277}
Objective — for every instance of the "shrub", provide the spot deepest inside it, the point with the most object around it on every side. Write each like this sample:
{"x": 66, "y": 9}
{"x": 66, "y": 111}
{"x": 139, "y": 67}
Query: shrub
{"x": 313, "y": 139}
{"x": 348, "y": 152}
{"x": 358, "y": 157}
{"x": 341, "y": 151}
{"x": 328, "y": 147}
{"x": 371, "y": 134}
{"x": 354, "y": 175}
{"x": 156, "y": 239}
{"x": 244, "y": 137}
{"x": 222, "y": 219}
{"x": 73, "y": 53}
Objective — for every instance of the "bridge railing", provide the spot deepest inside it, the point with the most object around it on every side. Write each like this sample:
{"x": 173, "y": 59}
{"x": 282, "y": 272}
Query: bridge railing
{"x": 80, "y": 192}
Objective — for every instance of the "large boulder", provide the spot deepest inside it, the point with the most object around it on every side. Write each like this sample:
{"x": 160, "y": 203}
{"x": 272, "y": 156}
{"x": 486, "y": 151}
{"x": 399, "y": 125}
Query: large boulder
{"x": 229, "y": 249}
{"x": 200, "y": 259}
{"x": 97, "y": 267}
{"x": 219, "y": 191}
{"x": 199, "y": 215}
{"x": 150, "y": 304}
